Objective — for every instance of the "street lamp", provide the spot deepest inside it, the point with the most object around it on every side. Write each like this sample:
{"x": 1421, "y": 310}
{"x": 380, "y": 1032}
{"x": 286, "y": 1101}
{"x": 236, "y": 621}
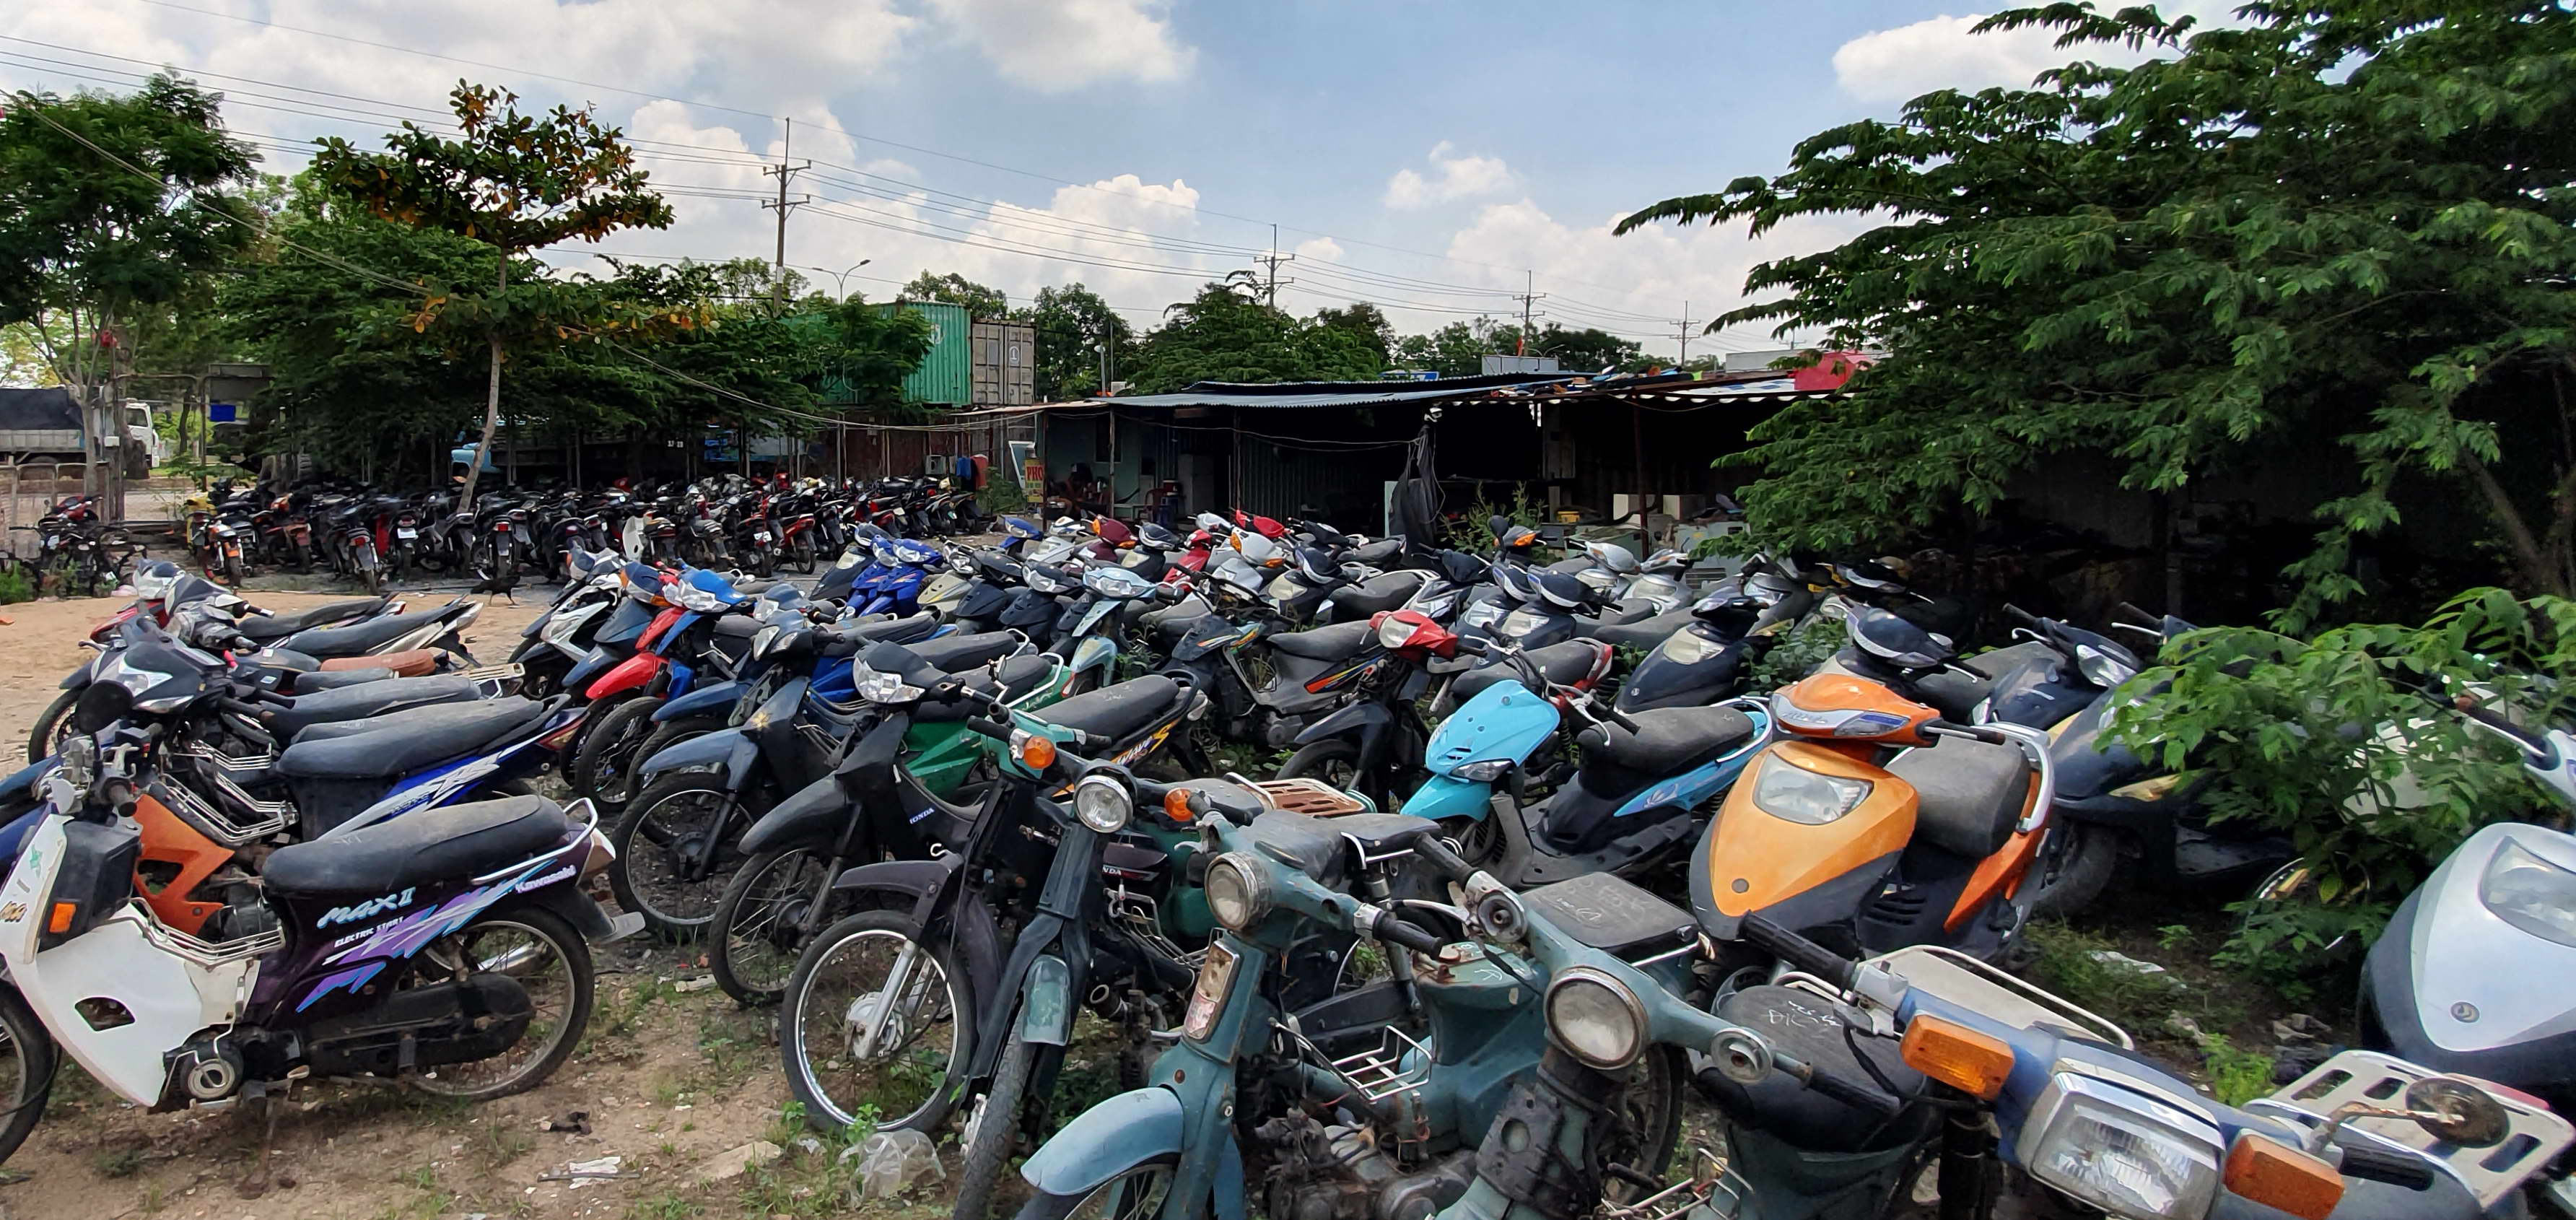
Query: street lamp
{"x": 841, "y": 279}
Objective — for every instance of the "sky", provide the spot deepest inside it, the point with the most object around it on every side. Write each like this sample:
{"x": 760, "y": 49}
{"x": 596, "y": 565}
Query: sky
{"x": 1438, "y": 158}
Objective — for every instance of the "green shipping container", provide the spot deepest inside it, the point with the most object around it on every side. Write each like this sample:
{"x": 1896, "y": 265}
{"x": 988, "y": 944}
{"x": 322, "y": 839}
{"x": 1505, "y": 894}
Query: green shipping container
{"x": 946, "y": 374}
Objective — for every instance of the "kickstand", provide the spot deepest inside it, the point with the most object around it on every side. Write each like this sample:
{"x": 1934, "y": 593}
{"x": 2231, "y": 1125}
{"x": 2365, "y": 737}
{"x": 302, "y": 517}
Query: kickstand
{"x": 257, "y": 1183}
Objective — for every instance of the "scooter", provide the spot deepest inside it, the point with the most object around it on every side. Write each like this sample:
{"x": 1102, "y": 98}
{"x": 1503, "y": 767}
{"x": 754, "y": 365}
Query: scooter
{"x": 1830, "y": 837}
{"x": 345, "y": 962}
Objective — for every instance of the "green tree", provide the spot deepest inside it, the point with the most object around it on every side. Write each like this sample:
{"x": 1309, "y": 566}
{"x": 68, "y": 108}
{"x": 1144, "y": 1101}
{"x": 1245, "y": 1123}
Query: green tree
{"x": 2346, "y": 221}
{"x": 955, "y": 289}
{"x": 1220, "y": 335}
{"x": 516, "y": 183}
{"x": 112, "y": 209}
{"x": 1365, "y": 321}
{"x": 1455, "y": 350}
{"x": 1588, "y": 350}
{"x": 1072, "y": 324}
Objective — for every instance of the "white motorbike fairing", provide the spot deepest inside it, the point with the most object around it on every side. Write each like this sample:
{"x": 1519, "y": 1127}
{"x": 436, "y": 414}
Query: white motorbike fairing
{"x": 2481, "y": 986}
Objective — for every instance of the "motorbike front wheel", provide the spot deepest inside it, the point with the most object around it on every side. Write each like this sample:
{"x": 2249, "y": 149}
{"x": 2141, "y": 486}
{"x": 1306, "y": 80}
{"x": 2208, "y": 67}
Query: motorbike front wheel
{"x": 761, "y": 923}
{"x": 995, "y": 1132}
{"x": 603, "y": 769}
{"x": 870, "y": 973}
{"x": 1137, "y": 1193}
{"x": 52, "y": 725}
{"x": 676, "y": 851}
{"x": 27, "y": 1062}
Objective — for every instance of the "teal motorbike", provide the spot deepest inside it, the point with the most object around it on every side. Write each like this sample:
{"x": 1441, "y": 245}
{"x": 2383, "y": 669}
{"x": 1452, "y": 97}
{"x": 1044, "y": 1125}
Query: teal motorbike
{"x": 1398, "y": 1121}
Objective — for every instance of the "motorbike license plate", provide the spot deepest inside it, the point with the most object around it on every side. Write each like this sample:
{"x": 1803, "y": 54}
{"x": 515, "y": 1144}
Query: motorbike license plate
{"x": 402, "y": 533}
{"x": 1207, "y": 996}
{"x": 760, "y": 535}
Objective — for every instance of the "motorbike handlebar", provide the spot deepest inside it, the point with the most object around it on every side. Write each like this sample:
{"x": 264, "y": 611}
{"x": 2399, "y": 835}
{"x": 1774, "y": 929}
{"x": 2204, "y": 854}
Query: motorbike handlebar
{"x": 1386, "y": 927}
{"x": 1853, "y": 1093}
{"x": 1432, "y": 850}
{"x": 2406, "y": 1169}
{"x": 2021, "y": 616}
{"x": 2467, "y": 706}
{"x": 1799, "y": 951}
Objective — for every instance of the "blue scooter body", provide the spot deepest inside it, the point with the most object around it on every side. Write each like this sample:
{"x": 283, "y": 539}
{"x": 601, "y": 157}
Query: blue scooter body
{"x": 1504, "y": 721}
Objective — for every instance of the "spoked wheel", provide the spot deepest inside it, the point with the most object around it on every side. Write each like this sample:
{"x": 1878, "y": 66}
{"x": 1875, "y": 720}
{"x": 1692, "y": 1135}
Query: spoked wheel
{"x": 605, "y": 766}
{"x": 676, "y": 852}
{"x": 1136, "y": 1194}
{"x": 874, "y": 1017}
{"x": 1649, "y": 1122}
{"x": 762, "y": 920}
{"x": 548, "y": 963}
{"x": 46, "y": 739}
{"x": 27, "y": 1062}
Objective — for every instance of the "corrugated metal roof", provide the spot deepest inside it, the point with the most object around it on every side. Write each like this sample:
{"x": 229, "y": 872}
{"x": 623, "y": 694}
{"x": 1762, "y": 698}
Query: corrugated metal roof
{"x": 1337, "y": 393}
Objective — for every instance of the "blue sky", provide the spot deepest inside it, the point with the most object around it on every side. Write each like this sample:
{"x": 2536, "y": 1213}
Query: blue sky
{"x": 1426, "y": 155}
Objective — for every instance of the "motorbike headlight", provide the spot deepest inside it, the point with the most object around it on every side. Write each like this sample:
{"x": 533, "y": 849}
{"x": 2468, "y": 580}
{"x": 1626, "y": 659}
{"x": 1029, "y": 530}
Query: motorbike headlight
{"x": 1103, "y": 803}
{"x": 2530, "y": 893}
{"x": 1234, "y": 892}
{"x": 761, "y": 640}
{"x": 1597, "y": 578}
{"x": 1482, "y": 771}
{"x": 1437, "y": 604}
{"x": 1482, "y": 613}
{"x": 690, "y": 597}
{"x": 1687, "y": 647}
{"x": 134, "y": 680}
{"x": 1595, "y": 1018}
{"x": 878, "y": 686}
{"x": 1284, "y": 586}
{"x": 1519, "y": 623}
{"x": 1795, "y": 794}
{"x": 2101, "y": 668}
{"x": 2119, "y": 1150}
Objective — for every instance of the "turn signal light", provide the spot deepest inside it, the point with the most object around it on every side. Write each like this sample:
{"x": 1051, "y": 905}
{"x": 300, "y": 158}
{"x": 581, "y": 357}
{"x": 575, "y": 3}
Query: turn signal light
{"x": 1176, "y": 805}
{"x": 1037, "y": 752}
{"x": 2279, "y": 1176}
{"x": 1962, "y": 1058}
{"x": 62, "y": 917}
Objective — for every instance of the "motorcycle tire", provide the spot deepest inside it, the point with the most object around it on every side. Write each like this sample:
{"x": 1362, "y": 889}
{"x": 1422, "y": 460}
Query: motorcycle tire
{"x": 603, "y": 769}
{"x": 995, "y": 1134}
{"x": 300, "y": 557}
{"x": 680, "y": 909}
{"x": 574, "y": 952}
{"x": 673, "y": 732}
{"x": 764, "y": 563}
{"x": 739, "y": 970}
{"x": 805, "y": 557}
{"x": 797, "y": 1041}
{"x": 37, "y": 1057}
{"x": 1147, "y": 1178}
{"x": 233, "y": 570}
{"x": 49, "y": 724}
{"x": 2069, "y": 878}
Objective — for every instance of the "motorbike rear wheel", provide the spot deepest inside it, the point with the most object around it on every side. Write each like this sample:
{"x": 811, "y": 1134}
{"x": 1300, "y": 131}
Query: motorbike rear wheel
{"x": 52, "y": 725}
{"x": 845, "y": 975}
{"x": 664, "y": 835}
{"x": 531, "y": 945}
{"x": 754, "y": 943}
{"x": 604, "y": 768}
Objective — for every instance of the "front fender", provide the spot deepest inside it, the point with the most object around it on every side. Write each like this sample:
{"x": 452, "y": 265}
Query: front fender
{"x": 1442, "y": 796}
{"x": 811, "y": 817}
{"x": 978, "y": 939}
{"x": 629, "y": 674}
{"x": 1046, "y": 1002}
{"x": 1096, "y": 651}
{"x": 1370, "y": 722}
{"x": 1120, "y": 1134}
{"x": 704, "y": 701}
{"x": 730, "y": 750}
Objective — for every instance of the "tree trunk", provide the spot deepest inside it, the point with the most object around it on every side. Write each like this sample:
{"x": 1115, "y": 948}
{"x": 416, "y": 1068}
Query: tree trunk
{"x": 491, "y": 410}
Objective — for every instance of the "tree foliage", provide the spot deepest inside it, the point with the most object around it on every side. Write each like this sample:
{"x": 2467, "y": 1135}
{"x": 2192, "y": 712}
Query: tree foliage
{"x": 1220, "y": 335}
{"x": 112, "y": 207}
{"x": 513, "y": 182}
{"x": 980, "y": 301}
{"x": 1072, "y": 323}
{"x": 2346, "y": 220}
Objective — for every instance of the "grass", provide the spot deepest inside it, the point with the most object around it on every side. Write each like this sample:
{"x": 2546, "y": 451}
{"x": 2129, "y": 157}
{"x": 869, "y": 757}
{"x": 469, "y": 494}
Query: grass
{"x": 669, "y": 1205}
{"x": 501, "y": 1143}
{"x": 2235, "y": 1076}
{"x": 119, "y": 1163}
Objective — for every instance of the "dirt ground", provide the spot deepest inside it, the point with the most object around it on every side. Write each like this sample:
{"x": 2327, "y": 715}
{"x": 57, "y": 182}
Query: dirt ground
{"x": 666, "y": 1080}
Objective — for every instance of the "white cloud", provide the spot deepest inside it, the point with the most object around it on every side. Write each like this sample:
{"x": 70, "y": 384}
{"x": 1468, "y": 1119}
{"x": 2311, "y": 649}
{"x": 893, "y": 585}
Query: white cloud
{"x": 1054, "y": 45}
{"x": 1452, "y": 178}
{"x": 1319, "y": 250}
{"x": 1905, "y": 62}
{"x": 1636, "y": 284}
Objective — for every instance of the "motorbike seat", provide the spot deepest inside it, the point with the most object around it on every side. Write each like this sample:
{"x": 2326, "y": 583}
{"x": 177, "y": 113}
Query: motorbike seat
{"x": 286, "y": 721}
{"x": 755, "y": 587}
{"x": 1018, "y": 676}
{"x": 359, "y": 638}
{"x": 1176, "y": 620}
{"x": 1378, "y": 594}
{"x": 1607, "y": 913}
{"x": 1325, "y": 643}
{"x": 452, "y": 845}
{"x": 954, "y": 653}
{"x": 1970, "y": 792}
{"x": 1320, "y": 847}
{"x": 1116, "y": 711}
{"x": 849, "y": 639}
{"x": 335, "y": 679}
{"x": 738, "y": 626}
{"x": 1954, "y": 692}
{"x": 405, "y": 742}
{"x": 409, "y": 663}
{"x": 1564, "y": 664}
{"x": 1642, "y": 634}
{"x": 279, "y": 626}
{"x": 1668, "y": 741}
{"x": 1377, "y": 553}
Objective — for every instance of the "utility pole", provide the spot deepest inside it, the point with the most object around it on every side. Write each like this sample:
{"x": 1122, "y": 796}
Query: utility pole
{"x": 1683, "y": 332}
{"x": 1529, "y": 296}
{"x": 1272, "y": 261}
{"x": 785, "y": 169}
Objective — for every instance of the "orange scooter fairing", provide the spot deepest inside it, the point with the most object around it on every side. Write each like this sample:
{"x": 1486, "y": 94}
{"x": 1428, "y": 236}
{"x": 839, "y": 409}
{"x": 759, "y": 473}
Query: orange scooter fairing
{"x": 170, "y": 843}
{"x": 1999, "y": 875}
{"x": 1757, "y": 859}
{"x": 1848, "y": 708}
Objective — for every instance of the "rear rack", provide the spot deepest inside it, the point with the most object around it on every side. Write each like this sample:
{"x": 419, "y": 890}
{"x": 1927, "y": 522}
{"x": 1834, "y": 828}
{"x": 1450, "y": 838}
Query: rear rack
{"x": 1312, "y": 797}
{"x": 2369, "y": 1080}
